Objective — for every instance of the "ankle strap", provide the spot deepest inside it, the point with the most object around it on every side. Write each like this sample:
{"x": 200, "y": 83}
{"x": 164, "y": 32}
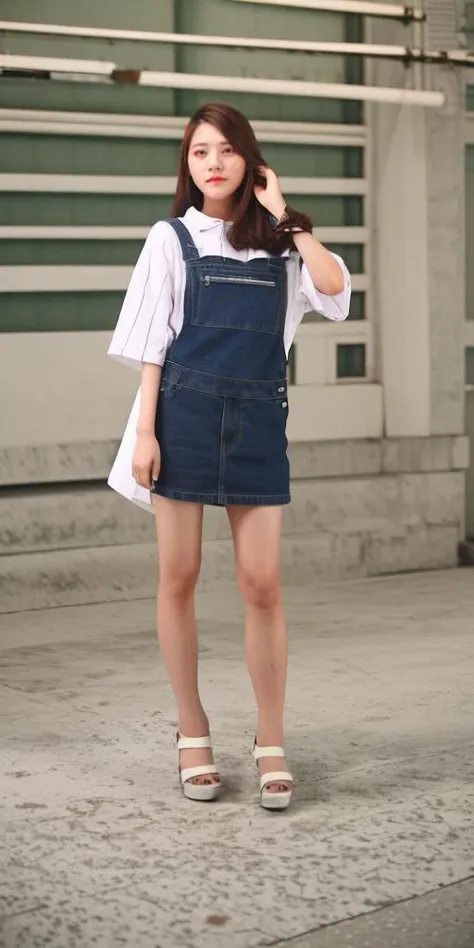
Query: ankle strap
{"x": 190, "y": 743}
{"x": 268, "y": 751}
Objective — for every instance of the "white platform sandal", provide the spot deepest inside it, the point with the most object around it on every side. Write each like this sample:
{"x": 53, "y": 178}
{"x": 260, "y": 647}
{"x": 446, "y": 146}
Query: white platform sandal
{"x": 273, "y": 800}
{"x": 197, "y": 791}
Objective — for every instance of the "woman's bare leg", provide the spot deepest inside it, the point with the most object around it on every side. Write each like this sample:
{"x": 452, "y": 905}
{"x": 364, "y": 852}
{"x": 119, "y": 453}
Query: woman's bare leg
{"x": 179, "y": 534}
{"x": 256, "y": 532}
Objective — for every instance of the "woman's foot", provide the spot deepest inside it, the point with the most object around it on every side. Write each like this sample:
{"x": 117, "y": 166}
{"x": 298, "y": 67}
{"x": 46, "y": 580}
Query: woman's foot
{"x": 268, "y": 764}
{"x": 199, "y": 777}
{"x": 275, "y": 793}
{"x": 197, "y": 757}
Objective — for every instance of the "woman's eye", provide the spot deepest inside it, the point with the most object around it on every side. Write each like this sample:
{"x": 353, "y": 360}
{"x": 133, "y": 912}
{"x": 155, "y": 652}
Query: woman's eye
{"x": 199, "y": 152}
{"x": 228, "y": 150}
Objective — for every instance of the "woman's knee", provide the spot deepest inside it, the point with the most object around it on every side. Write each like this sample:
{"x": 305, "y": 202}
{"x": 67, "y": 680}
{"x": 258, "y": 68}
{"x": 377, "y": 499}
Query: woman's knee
{"x": 179, "y": 578}
{"x": 260, "y": 587}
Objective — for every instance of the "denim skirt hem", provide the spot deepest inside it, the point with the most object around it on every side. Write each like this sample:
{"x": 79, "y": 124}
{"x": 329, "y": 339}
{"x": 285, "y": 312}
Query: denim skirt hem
{"x": 224, "y": 500}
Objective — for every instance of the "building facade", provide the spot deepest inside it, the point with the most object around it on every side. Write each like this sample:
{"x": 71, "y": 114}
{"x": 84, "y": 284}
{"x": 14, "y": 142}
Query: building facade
{"x": 381, "y": 405}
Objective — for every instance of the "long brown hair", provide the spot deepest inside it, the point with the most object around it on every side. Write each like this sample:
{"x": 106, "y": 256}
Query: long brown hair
{"x": 251, "y": 228}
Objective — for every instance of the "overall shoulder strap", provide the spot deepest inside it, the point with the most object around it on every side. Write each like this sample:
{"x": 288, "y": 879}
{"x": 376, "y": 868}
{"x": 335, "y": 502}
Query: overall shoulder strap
{"x": 188, "y": 247}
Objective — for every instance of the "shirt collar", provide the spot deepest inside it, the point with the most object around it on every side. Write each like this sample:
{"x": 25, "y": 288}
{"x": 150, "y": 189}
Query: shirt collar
{"x": 201, "y": 221}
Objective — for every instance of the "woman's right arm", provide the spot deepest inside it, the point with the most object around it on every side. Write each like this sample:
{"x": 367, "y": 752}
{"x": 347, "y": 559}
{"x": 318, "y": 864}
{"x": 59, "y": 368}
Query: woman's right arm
{"x": 143, "y": 335}
{"x": 146, "y": 456}
{"x": 143, "y": 332}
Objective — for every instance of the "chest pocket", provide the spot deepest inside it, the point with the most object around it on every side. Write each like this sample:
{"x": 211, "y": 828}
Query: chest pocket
{"x": 227, "y": 299}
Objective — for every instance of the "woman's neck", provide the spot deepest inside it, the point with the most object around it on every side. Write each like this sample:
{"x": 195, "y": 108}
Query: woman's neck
{"x": 220, "y": 209}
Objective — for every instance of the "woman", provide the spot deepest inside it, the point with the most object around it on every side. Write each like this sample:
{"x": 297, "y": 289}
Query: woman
{"x": 209, "y": 318}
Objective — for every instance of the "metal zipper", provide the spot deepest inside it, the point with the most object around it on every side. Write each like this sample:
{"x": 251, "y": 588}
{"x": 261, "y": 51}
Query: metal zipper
{"x": 217, "y": 279}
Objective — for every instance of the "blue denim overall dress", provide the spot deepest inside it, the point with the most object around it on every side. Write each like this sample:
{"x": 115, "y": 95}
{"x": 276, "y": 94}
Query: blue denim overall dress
{"x": 222, "y": 407}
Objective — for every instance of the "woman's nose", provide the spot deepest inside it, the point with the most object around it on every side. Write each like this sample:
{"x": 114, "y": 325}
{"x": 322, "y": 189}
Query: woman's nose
{"x": 215, "y": 160}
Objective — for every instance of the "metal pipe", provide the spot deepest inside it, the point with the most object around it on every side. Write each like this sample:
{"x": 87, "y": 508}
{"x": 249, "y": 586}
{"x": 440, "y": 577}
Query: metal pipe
{"x": 394, "y": 11}
{"x": 170, "y": 127}
{"x": 323, "y": 90}
{"x": 174, "y": 80}
{"x": 52, "y": 64}
{"x": 404, "y": 53}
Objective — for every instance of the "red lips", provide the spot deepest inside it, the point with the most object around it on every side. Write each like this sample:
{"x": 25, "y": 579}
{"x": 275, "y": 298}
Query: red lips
{"x": 214, "y": 180}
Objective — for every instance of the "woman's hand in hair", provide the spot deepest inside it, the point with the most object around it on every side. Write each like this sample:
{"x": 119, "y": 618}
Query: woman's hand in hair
{"x": 270, "y": 197}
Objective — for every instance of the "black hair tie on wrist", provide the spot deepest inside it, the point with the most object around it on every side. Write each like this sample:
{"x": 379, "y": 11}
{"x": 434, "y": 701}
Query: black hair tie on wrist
{"x": 291, "y": 222}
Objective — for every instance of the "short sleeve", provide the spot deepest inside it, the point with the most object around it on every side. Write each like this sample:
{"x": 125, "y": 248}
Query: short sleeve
{"x": 143, "y": 332}
{"x": 333, "y": 307}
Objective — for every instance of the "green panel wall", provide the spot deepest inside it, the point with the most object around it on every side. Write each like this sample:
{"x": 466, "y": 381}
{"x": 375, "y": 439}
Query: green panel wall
{"x": 56, "y": 154}
{"x": 116, "y": 14}
{"x": 112, "y": 252}
{"x": 69, "y": 154}
{"x": 69, "y": 252}
{"x": 85, "y": 97}
{"x": 82, "y": 209}
{"x": 121, "y": 210}
{"x": 54, "y": 312}
{"x": 77, "y": 154}
{"x": 110, "y": 14}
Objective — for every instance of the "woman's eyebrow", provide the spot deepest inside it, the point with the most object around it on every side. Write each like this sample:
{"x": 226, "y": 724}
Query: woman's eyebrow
{"x": 200, "y": 144}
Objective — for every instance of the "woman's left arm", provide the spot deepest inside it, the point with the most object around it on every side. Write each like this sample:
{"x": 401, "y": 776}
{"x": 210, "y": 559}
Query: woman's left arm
{"x": 322, "y": 266}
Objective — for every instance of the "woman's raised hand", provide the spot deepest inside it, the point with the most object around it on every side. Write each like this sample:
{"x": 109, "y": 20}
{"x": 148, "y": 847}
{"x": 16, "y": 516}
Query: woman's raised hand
{"x": 270, "y": 197}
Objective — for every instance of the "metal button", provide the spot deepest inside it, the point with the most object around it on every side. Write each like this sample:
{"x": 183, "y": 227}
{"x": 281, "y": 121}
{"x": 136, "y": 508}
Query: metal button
{"x": 282, "y": 389}
{"x": 284, "y": 404}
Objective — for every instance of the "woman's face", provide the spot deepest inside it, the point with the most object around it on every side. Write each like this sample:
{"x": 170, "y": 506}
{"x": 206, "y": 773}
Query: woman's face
{"x": 216, "y": 169}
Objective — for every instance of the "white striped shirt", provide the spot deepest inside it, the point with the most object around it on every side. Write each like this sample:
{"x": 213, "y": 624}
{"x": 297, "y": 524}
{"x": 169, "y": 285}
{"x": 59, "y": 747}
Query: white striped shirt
{"x": 152, "y": 313}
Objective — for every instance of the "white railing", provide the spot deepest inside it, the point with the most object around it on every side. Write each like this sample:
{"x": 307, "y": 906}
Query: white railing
{"x": 405, "y": 53}
{"x": 394, "y": 11}
{"x": 210, "y": 83}
{"x": 170, "y": 127}
{"x": 151, "y": 184}
{"x": 328, "y": 235}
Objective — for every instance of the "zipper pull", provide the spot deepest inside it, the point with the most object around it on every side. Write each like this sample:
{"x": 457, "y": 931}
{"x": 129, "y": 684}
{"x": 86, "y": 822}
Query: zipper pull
{"x": 207, "y": 280}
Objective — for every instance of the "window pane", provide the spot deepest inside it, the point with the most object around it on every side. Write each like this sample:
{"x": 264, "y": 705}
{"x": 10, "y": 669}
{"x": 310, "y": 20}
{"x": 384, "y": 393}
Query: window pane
{"x": 357, "y": 311}
{"x": 352, "y": 254}
{"x": 351, "y": 361}
{"x": 469, "y": 23}
{"x": 470, "y": 366}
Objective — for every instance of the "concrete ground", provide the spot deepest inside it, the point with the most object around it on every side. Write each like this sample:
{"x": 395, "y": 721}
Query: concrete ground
{"x": 101, "y": 849}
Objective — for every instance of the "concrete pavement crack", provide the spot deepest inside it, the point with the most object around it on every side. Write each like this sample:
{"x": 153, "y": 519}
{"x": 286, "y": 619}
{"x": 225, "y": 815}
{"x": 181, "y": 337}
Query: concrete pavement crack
{"x": 380, "y": 908}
